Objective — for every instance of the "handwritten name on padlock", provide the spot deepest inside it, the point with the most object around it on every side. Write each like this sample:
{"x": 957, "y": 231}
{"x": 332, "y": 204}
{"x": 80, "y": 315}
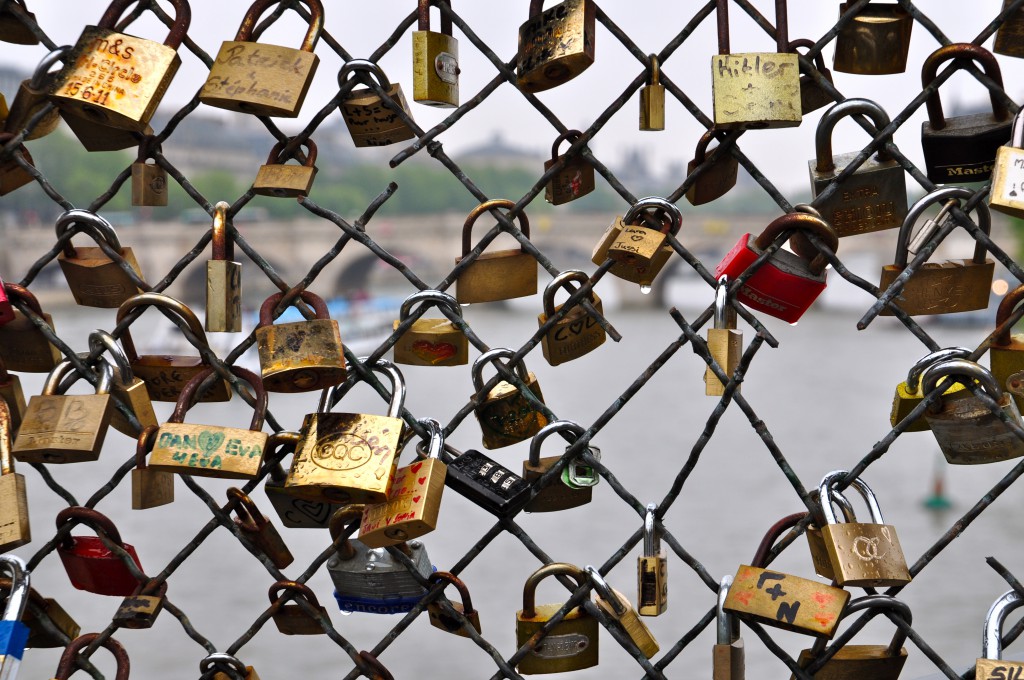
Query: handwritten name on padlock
{"x": 207, "y": 449}
{"x": 406, "y": 503}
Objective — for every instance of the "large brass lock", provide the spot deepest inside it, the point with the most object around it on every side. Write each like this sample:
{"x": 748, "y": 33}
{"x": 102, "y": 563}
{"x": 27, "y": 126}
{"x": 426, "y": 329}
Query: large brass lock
{"x": 283, "y": 180}
{"x": 575, "y": 179}
{"x": 498, "y": 275}
{"x": 23, "y": 347}
{"x": 717, "y": 179}
{"x": 212, "y": 667}
{"x": 639, "y": 252}
{"x": 69, "y": 659}
{"x": 569, "y": 645}
{"x": 652, "y": 99}
{"x": 991, "y": 665}
{"x": 909, "y": 393}
{"x": 1006, "y": 351}
{"x": 431, "y": 342}
{"x": 1005, "y": 195}
{"x": 261, "y": 79}
{"x": 578, "y": 332}
{"x": 15, "y": 530}
{"x": 615, "y": 605}
{"x": 557, "y": 493}
{"x": 556, "y": 44}
{"x": 725, "y": 342}
{"x": 223, "y": 278}
{"x": 14, "y": 24}
{"x": 759, "y": 89}
{"x": 812, "y": 95}
{"x": 874, "y": 197}
{"x": 150, "y": 488}
{"x": 435, "y": 61}
{"x": 439, "y": 618}
{"x": 12, "y": 175}
{"x": 1010, "y": 34}
{"x": 505, "y": 415}
{"x": 115, "y": 79}
{"x": 874, "y": 42}
{"x": 301, "y": 356}
{"x": 728, "y": 661}
{"x": 370, "y": 120}
{"x": 947, "y": 288}
{"x": 94, "y": 279}
{"x": 652, "y": 569}
{"x": 149, "y": 180}
{"x": 31, "y": 99}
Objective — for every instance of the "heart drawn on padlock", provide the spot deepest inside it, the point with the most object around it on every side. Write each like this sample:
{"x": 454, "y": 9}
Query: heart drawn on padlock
{"x": 421, "y": 481}
{"x": 435, "y": 353}
{"x": 317, "y": 511}
{"x": 416, "y": 467}
{"x": 210, "y": 441}
{"x": 416, "y": 499}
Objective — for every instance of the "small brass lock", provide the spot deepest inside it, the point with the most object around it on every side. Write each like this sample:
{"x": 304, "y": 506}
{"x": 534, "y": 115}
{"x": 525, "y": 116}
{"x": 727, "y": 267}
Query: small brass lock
{"x": 497, "y": 275}
{"x": 555, "y": 44}
{"x": 150, "y": 488}
{"x": 639, "y": 252}
{"x": 575, "y": 179}
{"x": 149, "y": 180}
{"x": 435, "y": 61}
{"x": 725, "y": 342}
{"x": 1010, "y": 33}
{"x": 31, "y": 99}
{"x": 23, "y": 347}
{"x": 301, "y": 356}
{"x": 94, "y": 279}
{"x": 558, "y": 493}
{"x": 293, "y": 619}
{"x": 257, "y": 529}
{"x": 126, "y": 388}
{"x": 15, "y": 530}
{"x": 370, "y": 120}
{"x": 618, "y": 607}
{"x": 652, "y": 569}
{"x": 12, "y": 395}
{"x": 505, "y": 415}
{"x": 909, "y": 394}
{"x": 1007, "y": 176}
{"x": 812, "y": 95}
{"x": 728, "y": 661}
{"x": 439, "y": 618}
{"x": 139, "y": 610}
{"x": 652, "y": 99}
{"x": 431, "y": 342}
{"x": 223, "y": 278}
{"x": 716, "y": 180}
{"x": 876, "y": 41}
{"x": 575, "y": 334}
{"x": 282, "y": 180}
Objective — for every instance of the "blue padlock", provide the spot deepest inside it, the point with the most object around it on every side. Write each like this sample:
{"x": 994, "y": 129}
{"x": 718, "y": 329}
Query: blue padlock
{"x": 13, "y": 633}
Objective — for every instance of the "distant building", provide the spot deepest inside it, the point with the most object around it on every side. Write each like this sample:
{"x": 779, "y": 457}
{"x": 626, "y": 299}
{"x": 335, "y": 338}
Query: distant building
{"x": 496, "y": 153}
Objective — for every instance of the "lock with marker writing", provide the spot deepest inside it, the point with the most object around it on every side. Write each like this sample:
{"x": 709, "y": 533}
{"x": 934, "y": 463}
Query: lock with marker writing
{"x": 575, "y": 179}
{"x": 1007, "y": 192}
{"x": 370, "y": 120}
{"x": 652, "y": 569}
{"x": 640, "y": 252}
{"x": 555, "y": 44}
{"x": 295, "y": 512}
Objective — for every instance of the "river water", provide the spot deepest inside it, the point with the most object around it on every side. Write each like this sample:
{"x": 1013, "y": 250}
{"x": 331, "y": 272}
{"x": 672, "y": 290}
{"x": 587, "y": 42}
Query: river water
{"x": 824, "y": 395}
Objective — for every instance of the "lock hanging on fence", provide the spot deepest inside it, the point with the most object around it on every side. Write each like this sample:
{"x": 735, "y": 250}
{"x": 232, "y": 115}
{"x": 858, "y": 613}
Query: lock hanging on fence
{"x": 149, "y": 180}
{"x": 876, "y": 41}
{"x": 94, "y": 279}
{"x": 1006, "y": 351}
{"x": 578, "y": 332}
{"x": 223, "y": 278}
{"x": 505, "y": 415}
{"x": 909, "y": 393}
{"x": 90, "y": 565}
{"x": 370, "y": 121}
{"x": 725, "y": 342}
{"x": 497, "y": 275}
{"x": 812, "y": 95}
{"x": 1005, "y": 195}
{"x": 32, "y": 97}
{"x": 639, "y": 252}
{"x": 23, "y": 347}
{"x": 15, "y": 531}
{"x": 301, "y": 356}
{"x": 728, "y": 660}
{"x": 555, "y": 44}
{"x": 435, "y": 61}
{"x": 715, "y": 181}
{"x": 575, "y": 179}
{"x": 569, "y": 645}
{"x": 431, "y": 342}
{"x": 652, "y": 570}
{"x": 991, "y": 663}
{"x": 13, "y": 28}
{"x": 279, "y": 179}
{"x": 570, "y": 489}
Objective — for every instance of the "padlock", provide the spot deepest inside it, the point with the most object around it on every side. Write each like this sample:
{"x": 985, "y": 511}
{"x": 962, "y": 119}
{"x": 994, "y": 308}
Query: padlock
{"x": 166, "y": 375}
{"x": 617, "y": 607}
{"x": 718, "y": 178}
{"x": 414, "y": 500}
{"x": 575, "y": 334}
{"x": 435, "y": 61}
{"x": 876, "y": 41}
{"x": 293, "y": 619}
{"x": 489, "y": 484}
{"x": 992, "y": 666}
{"x": 816, "y": 543}
{"x": 439, "y": 618}
{"x": 13, "y": 26}
{"x": 94, "y": 279}
{"x": 12, "y": 175}
{"x": 575, "y": 179}
{"x": 497, "y": 275}
{"x": 967, "y": 431}
{"x": 48, "y": 624}
{"x": 728, "y": 660}
{"x": 283, "y": 180}
{"x": 149, "y": 180}
{"x": 1006, "y": 351}
{"x": 262, "y": 79}
{"x": 69, "y": 659}
{"x": 301, "y": 356}
{"x": 212, "y": 450}
{"x": 786, "y": 284}
{"x": 878, "y": 662}
{"x": 91, "y": 565}
{"x": 65, "y": 428}
{"x": 874, "y": 197}
{"x": 31, "y": 99}
{"x": 13, "y": 632}
{"x": 1010, "y": 33}
{"x": 652, "y": 99}
{"x": 150, "y": 488}
{"x": 431, "y": 342}
{"x": 812, "y": 95}
{"x": 555, "y": 44}
{"x": 15, "y": 530}
{"x": 139, "y": 610}
{"x": 963, "y": 148}
{"x": 946, "y": 288}
{"x": 124, "y": 93}
{"x": 909, "y": 394}
{"x": 755, "y": 90}
{"x": 864, "y": 555}
{"x": 13, "y": 397}
{"x": 370, "y": 120}
{"x": 211, "y": 668}
{"x": 640, "y": 252}
{"x": 1007, "y": 177}
{"x": 652, "y": 569}
{"x": 223, "y": 278}
{"x": 725, "y": 342}
{"x": 504, "y": 414}
{"x": 557, "y": 494}
{"x": 349, "y": 457}
{"x": 254, "y": 526}
{"x": 295, "y": 512}
{"x": 23, "y": 347}
{"x": 95, "y": 136}
{"x": 125, "y": 388}
{"x": 569, "y": 645}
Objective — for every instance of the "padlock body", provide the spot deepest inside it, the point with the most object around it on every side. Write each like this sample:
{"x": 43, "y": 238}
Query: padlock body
{"x": 387, "y": 588}
{"x": 497, "y": 275}
{"x": 149, "y": 185}
{"x": 223, "y": 296}
{"x": 875, "y": 42}
{"x": 63, "y": 428}
{"x": 575, "y": 334}
{"x": 139, "y": 612}
{"x": 295, "y": 512}
{"x": 968, "y": 433}
{"x": 785, "y": 601}
{"x": 556, "y": 495}
{"x": 12, "y": 394}
{"x": 371, "y": 123}
{"x": 728, "y": 662}
{"x": 995, "y": 669}
{"x": 964, "y": 150}
{"x": 819, "y": 553}
{"x": 487, "y": 483}
{"x": 946, "y": 288}
{"x": 556, "y": 45}
{"x": 411, "y": 509}
{"x": 906, "y": 401}
{"x": 166, "y": 375}
{"x": 27, "y": 103}
{"x": 435, "y": 69}
{"x": 636, "y": 247}
{"x": 259, "y": 79}
{"x": 14, "y": 526}
{"x": 267, "y": 539}
{"x": 714, "y": 182}
{"x": 137, "y": 398}
{"x": 95, "y": 136}
{"x": 865, "y": 555}
{"x": 756, "y": 90}
{"x": 284, "y": 180}
{"x": 570, "y": 645}
{"x": 12, "y": 30}
{"x": 506, "y": 417}
{"x": 574, "y": 180}
{"x": 151, "y": 488}
{"x": 97, "y": 281}
{"x": 626, "y": 269}
{"x": 441, "y": 619}
{"x": 40, "y": 637}
{"x": 292, "y": 619}
{"x": 1010, "y": 41}
{"x": 94, "y": 568}
{"x": 1005, "y": 360}
{"x": 652, "y": 584}
{"x": 631, "y": 623}
{"x": 24, "y": 348}
{"x": 302, "y": 356}
{"x": 432, "y": 342}
{"x": 208, "y": 451}
{"x": 726, "y": 348}
{"x": 859, "y": 661}
{"x": 812, "y": 95}
{"x": 250, "y": 674}
{"x": 652, "y": 107}
{"x": 1007, "y": 192}
{"x": 13, "y": 176}
{"x": 873, "y": 198}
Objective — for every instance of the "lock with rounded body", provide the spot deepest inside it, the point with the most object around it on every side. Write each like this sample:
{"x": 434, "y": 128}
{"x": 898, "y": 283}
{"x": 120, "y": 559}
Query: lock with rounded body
{"x": 15, "y": 530}
{"x": 876, "y": 41}
{"x": 991, "y": 665}
{"x": 439, "y": 618}
{"x": 575, "y": 179}
{"x": 91, "y": 565}
{"x": 558, "y": 494}
{"x": 555, "y": 44}
{"x": 618, "y": 607}
{"x": 223, "y": 278}
{"x": 715, "y": 181}
{"x": 505, "y": 415}
{"x": 652, "y": 569}
{"x": 150, "y": 488}
{"x": 728, "y": 661}
{"x": 431, "y": 342}
{"x": 1008, "y": 173}
{"x": 497, "y": 275}
{"x": 812, "y": 95}
{"x": 1006, "y": 351}
{"x": 94, "y": 279}
{"x": 569, "y": 645}
{"x": 652, "y": 98}
{"x": 575, "y": 334}
{"x": 31, "y": 98}
{"x": 909, "y": 393}
{"x": 255, "y": 527}
{"x": 725, "y": 342}
{"x": 69, "y": 659}
{"x": 285, "y": 180}
{"x": 23, "y": 347}
{"x": 211, "y": 668}
{"x": 370, "y": 120}
{"x": 301, "y": 356}
{"x": 149, "y": 180}
{"x": 435, "y": 61}
{"x": 293, "y": 619}
{"x": 639, "y": 252}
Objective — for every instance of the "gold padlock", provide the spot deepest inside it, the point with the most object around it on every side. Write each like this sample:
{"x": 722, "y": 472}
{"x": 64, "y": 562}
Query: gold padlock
{"x": 876, "y": 41}
{"x": 575, "y": 179}
{"x": 618, "y": 607}
{"x": 301, "y": 356}
{"x": 575, "y": 334}
{"x": 439, "y": 618}
{"x": 498, "y": 275}
{"x": 12, "y": 395}
{"x": 556, "y": 44}
{"x": 15, "y": 20}
{"x": 126, "y": 388}
{"x": 435, "y": 61}
{"x": 223, "y": 278}
{"x": 909, "y": 395}
{"x": 557, "y": 494}
{"x": 31, "y": 99}
{"x": 431, "y": 342}
{"x": 219, "y": 660}
{"x": 505, "y": 416}
{"x": 23, "y": 347}
{"x": 785, "y": 601}
{"x": 139, "y": 610}
{"x": 640, "y": 252}
{"x": 262, "y": 79}
{"x": 15, "y": 530}
{"x": 725, "y": 342}
{"x": 95, "y": 280}
{"x": 652, "y": 99}
{"x": 12, "y": 175}
{"x": 293, "y": 619}
{"x": 117, "y": 79}
{"x": 150, "y": 488}
{"x": 149, "y": 180}
{"x": 569, "y": 645}
{"x": 96, "y": 137}
{"x": 255, "y": 527}
{"x": 652, "y": 569}
{"x": 715, "y": 181}
{"x": 281, "y": 180}
{"x": 371, "y": 120}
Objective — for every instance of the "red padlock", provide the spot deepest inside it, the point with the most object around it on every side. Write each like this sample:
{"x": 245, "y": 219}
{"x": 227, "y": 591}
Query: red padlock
{"x": 786, "y": 284}
{"x": 91, "y": 566}
{"x": 6, "y": 308}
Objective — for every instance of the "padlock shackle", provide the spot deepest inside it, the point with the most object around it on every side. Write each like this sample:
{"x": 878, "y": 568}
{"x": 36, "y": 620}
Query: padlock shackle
{"x": 6, "y": 439}
{"x": 436, "y": 442}
{"x": 337, "y": 525}
{"x": 102, "y": 367}
{"x": 93, "y": 519}
{"x": 781, "y": 26}
{"x": 467, "y": 228}
{"x": 562, "y": 280}
{"x": 825, "y": 496}
{"x": 1017, "y": 130}
{"x": 654, "y": 73}
{"x": 914, "y": 376}
{"x": 727, "y": 626}
{"x": 103, "y": 341}
{"x": 374, "y": 663}
{"x": 700, "y": 154}
{"x": 144, "y": 446}
{"x": 941, "y": 196}
{"x": 725, "y": 315}
{"x": 429, "y": 298}
{"x": 959, "y": 371}
{"x": 182, "y": 20}
{"x": 17, "y": 600}
{"x": 452, "y": 579}
{"x": 876, "y": 604}
{"x": 992, "y": 637}
{"x": 310, "y": 298}
{"x": 652, "y": 539}
{"x": 553, "y": 569}
{"x": 256, "y": 10}
{"x": 38, "y": 80}
{"x": 569, "y": 135}
{"x": 1009, "y": 303}
{"x": 492, "y": 355}
{"x": 249, "y": 516}
{"x": 186, "y": 399}
{"x": 849, "y": 107}
{"x": 209, "y": 663}
{"x": 301, "y": 590}
{"x": 772, "y": 535}
{"x": 69, "y": 663}
{"x": 604, "y": 591}
{"x": 221, "y": 243}
{"x": 802, "y": 221}
{"x": 370, "y": 67}
{"x": 24, "y": 296}
{"x": 78, "y": 220}
{"x": 960, "y": 52}
{"x": 819, "y": 58}
{"x": 423, "y": 18}
{"x": 147, "y": 147}
{"x": 658, "y": 204}
{"x": 382, "y": 366}
{"x": 575, "y": 430}
{"x": 308, "y": 144}
{"x": 153, "y": 299}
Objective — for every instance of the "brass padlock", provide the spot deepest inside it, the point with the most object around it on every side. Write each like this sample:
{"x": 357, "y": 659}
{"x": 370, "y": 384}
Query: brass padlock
{"x": 435, "y": 61}
{"x": 759, "y": 89}
{"x": 431, "y": 342}
{"x": 126, "y": 388}
{"x": 94, "y": 136}
{"x": 569, "y": 645}
{"x": 876, "y": 41}
{"x": 349, "y": 457}
{"x": 123, "y": 93}
{"x": 575, "y": 179}
{"x": 909, "y": 393}
{"x": 498, "y": 275}
{"x": 62, "y": 428}
{"x": 31, "y": 99}
{"x": 69, "y": 659}
{"x": 15, "y": 530}
{"x": 1008, "y": 173}
{"x": 962, "y": 148}
{"x": 557, "y": 494}
{"x": 23, "y": 347}
{"x": 293, "y": 619}
{"x": 785, "y": 601}
{"x": 954, "y": 285}
{"x": 370, "y": 120}
{"x": 967, "y": 430}
{"x": 874, "y": 197}
{"x": 639, "y": 252}
{"x": 49, "y": 625}
{"x": 212, "y": 450}
{"x": 652, "y": 99}
{"x": 812, "y": 95}
{"x": 652, "y": 569}
{"x": 150, "y": 488}
{"x": 505, "y": 415}
{"x": 725, "y": 342}
{"x": 615, "y": 605}
{"x": 575, "y": 334}
{"x": 301, "y": 356}
{"x": 282, "y": 180}
{"x": 992, "y": 666}
{"x": 166, "y": 375}
{"x": 139, "y": 610}
{"x": 12, "y": 395}
{"x": 263, "y": 79}
{"x": 816, "y": 544}
{"x": 295, "y": 512}
{"x": 717, "y": 179}
{"x": 1010, "y": 33}
{"x": 223, "y": 278}
{"x": 94, "y": 279}
{"x": 254, "y": 526}
{"x": 728, "y": 661}
{"x": 12, "y": 175}
{"x": 439, "y": 618}
{"x": 14, "y": 24}
{"x": 556, "y": 44}
{"x": 212, "y": 665}
{"x": 1006, "y": 351}
{"x": 149, "y": 180}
